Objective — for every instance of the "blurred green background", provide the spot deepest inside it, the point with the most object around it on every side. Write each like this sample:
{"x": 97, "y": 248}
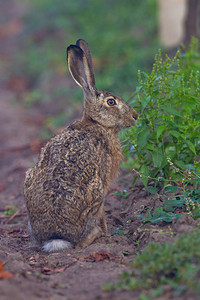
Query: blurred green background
{"x": 122, "y": 36}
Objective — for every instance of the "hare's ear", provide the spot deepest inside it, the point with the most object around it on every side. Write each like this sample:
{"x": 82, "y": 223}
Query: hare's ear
{"x": 84, "y": 46}
{"x": 80, "y": 69}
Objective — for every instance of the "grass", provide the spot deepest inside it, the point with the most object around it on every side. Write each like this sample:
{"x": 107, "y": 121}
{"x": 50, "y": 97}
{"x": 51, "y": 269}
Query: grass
{"x": 175, "y": 264}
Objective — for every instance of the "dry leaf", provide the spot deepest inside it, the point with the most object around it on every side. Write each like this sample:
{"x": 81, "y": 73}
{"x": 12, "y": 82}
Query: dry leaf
{"x": 50, "y": 271}
{"x": 100, "y": 256}
{"x": 4, "y": 274}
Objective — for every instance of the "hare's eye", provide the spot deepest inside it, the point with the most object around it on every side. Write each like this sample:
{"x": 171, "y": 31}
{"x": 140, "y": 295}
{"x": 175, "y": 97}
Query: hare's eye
{"x": 111, "y": 102}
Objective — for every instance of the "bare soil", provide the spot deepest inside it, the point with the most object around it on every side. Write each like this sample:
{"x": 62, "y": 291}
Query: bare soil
{"x": 71, "y": 274}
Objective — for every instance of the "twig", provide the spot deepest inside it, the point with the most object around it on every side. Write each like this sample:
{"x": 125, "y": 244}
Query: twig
{"x": 17, "y": 214}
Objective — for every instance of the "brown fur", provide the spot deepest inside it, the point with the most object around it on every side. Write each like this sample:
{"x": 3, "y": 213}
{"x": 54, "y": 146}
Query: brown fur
{"x": 64, "y": 192}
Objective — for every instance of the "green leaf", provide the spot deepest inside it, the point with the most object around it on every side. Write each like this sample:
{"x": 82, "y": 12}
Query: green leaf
{"x": 174, "y": 203}
{"x": 157, "y": 159}
{"x": 171, "y": 110}
{"x": 145, "y": 101}
{"x": 145, "y": 74}
{"x": 171, "y": 189}
{"x": 141, "y": 216}
{"x": 143, "y": 138}
{"x": 138, "y": 88}
{"x": 134, "y": 180}
{"x": 151, "y": 190}
{"x": 191, "y": 146}
{"x": 144, "y": 175}
{"x": 176, "y": 134}
{"x": 180, "y": 164}
{"x": 160, "y": 215}
{"x": 160, "y": 130}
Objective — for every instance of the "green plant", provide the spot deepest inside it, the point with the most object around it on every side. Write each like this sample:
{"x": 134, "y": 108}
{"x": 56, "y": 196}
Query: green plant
{"x": 9, "y": 210}
{"x": 159, "y": 215}
{"x": 124, "y": 193}
{"x": 119, "y": 232}
{"x": 168, "y": 130}
{"x": 176, "y": 264}
{"x": 188, "y": 199}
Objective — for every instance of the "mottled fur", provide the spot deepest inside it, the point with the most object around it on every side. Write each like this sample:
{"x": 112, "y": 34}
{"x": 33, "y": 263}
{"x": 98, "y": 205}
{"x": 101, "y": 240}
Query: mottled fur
{"x": 64, "y": 192}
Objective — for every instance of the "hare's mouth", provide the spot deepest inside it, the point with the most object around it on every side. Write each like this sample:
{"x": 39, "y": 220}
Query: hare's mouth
{"x": 130, "y": 123}
{"x": 134, "y": 121}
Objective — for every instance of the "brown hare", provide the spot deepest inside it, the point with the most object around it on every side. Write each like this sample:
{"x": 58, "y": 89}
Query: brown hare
{"x": 65, "y": 190}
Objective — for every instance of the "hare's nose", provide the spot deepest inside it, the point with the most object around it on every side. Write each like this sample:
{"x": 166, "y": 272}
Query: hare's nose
{"x": 135, "y": 115}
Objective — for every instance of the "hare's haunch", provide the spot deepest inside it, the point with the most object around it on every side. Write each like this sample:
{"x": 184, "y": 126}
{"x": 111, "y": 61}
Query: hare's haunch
{"x": 64, "y": 192}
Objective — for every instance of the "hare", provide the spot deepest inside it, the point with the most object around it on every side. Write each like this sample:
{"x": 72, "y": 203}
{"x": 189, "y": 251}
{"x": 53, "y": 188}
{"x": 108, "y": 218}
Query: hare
{"x": 65, "y": 191}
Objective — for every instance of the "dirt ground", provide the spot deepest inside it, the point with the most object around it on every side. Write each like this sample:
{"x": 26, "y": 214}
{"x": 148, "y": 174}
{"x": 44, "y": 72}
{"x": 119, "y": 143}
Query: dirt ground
{"x": 70, "y": 274}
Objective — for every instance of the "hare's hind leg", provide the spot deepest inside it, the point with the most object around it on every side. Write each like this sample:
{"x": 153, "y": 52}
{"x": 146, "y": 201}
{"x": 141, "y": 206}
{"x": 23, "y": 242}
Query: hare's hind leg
{"x": 103, "y": 220}
{"x": 93, "y": 235}
{"x": 97, "y": 231}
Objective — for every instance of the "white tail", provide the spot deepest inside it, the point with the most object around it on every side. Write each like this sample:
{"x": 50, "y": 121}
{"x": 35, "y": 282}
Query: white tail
{"x": 56, "y": 245}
